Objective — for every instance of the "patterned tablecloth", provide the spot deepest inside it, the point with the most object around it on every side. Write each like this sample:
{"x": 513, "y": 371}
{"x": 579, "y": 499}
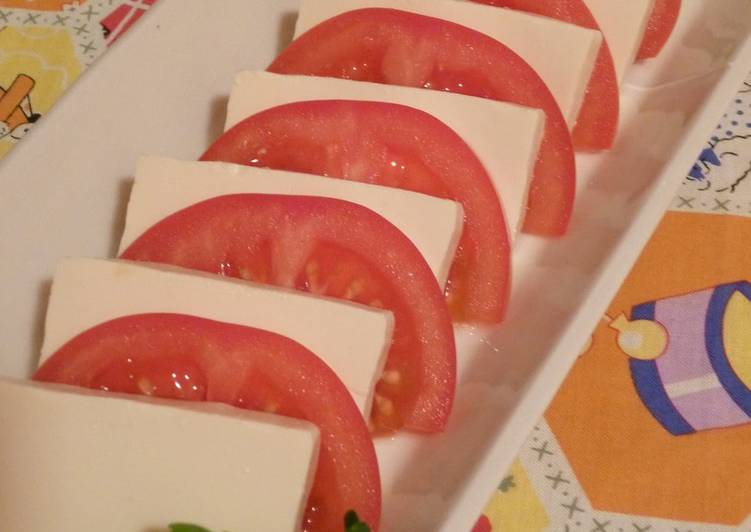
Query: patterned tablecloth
{"x": 632, "y": 442}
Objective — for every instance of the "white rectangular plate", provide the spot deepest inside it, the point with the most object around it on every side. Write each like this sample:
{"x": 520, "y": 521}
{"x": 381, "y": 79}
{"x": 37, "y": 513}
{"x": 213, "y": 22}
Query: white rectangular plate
{"x": 162, "y": 90}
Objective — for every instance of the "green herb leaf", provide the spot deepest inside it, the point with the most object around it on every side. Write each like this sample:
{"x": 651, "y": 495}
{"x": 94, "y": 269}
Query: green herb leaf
{"x": 186, "y": 527}
{"x": 352, "y": 523}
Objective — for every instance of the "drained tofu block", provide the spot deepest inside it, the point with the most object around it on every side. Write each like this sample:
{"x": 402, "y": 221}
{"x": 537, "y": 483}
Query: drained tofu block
{"x": 562, "y": 54}
{"x": 478, "y": 121}
{"x": 74, "y": 460}
{"x": 164, "y": 186}
{"x": 87, "y": 292}
{"x": 623, "y": 22}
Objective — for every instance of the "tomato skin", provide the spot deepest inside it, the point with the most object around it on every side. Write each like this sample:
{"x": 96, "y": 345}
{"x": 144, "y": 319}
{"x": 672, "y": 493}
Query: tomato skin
{"x": 405, "y": 148}
{"x": 337, "y": 249}
{"x": 400, "y": 48}
{"x": 483, "y": 525}
{"x": 244, "y": 367}
{"x": 659, "y": 28}
{"x": 597, "y": 123}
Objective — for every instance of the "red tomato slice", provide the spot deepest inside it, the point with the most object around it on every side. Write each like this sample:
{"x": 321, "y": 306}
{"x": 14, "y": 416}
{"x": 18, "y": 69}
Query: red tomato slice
{"x": 597, "y": 122}
{"x": 397, "y": 146}
{"x": 183, "y": 357}
{"x": 333, "y": 248}
{"x": 483, "y": 524}
{"x": 399, "y": 48}
{"x": 659, "y": 28}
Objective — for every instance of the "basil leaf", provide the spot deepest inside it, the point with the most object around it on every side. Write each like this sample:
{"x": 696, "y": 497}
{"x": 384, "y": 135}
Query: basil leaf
{"x": 352, "y": 523}
{"x": 186, "y": 527}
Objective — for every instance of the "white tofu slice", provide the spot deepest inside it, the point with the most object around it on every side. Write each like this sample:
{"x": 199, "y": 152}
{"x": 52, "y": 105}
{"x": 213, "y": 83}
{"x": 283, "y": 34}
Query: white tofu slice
{"x": 352, "y": 339}
{"x": 623, "y": 22}
{"x": 505, "y": 137}
{"x": 164, "y": 186}
{"x": 74, "y": 460}
{"x": 562, "y": 54}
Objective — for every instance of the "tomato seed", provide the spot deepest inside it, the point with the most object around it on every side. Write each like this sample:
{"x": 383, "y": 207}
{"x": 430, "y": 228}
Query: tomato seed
{"x": 391, "y": 376}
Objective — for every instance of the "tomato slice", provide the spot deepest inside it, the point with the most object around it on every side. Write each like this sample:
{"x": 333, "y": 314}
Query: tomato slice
{"x": 333, "y": 248}
{"x": 194, "y": 359}
{"x": 400, "y": 48}
{"x": 597, "y": 123}
{"x": 483, "y": 524}
{"x": 659, "y": 28}
{"x": 398, "y": 146}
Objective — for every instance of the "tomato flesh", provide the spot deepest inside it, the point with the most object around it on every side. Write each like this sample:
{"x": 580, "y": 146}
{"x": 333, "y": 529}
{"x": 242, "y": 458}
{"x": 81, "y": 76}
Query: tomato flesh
{"x": 659, "y": 28}
{"x": 597, "y": 123}
{"x": 182, "y": 357}
{"x": 400, "y": 48}
{"x": 332, "y": 248}
{"x": 397, "y": 146}
{"x": 483, "y": 524}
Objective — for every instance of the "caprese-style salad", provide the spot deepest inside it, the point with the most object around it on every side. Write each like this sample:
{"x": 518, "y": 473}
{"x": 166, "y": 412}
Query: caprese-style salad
{"x": 293, "y": 294}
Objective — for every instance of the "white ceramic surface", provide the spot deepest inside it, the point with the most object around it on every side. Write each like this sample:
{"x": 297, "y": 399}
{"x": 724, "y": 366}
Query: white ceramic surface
{"x": 162, "y": 89}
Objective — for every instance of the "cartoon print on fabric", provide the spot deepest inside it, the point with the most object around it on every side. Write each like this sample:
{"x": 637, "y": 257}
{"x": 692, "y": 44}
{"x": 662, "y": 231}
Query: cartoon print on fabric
{"x": 122, "y": 17}
{"x": 44, "y": 46}
{"x": 16, "y": 112}
{"x": 724, "y": 165}
{"x": 39, "y": 5}
{"x": 691, "y": 357}
{"x": 720, "y": 180}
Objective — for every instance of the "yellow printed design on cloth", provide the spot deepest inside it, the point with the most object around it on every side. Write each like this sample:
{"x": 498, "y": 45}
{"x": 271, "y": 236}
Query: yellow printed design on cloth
{"x": 640, "y": 339}
{"x": 736, "y": 336}
{"x": 518, "y": 508}
{"x": 47, "y": 56}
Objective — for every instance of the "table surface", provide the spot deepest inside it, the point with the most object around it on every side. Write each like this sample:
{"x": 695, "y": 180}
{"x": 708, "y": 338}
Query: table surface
{"x": 631, "y": 443}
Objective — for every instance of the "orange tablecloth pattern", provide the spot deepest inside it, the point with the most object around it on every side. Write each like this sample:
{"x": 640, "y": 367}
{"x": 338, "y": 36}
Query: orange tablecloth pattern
{"x": 650, "y": 431}
{"x": 652, "y": 427}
